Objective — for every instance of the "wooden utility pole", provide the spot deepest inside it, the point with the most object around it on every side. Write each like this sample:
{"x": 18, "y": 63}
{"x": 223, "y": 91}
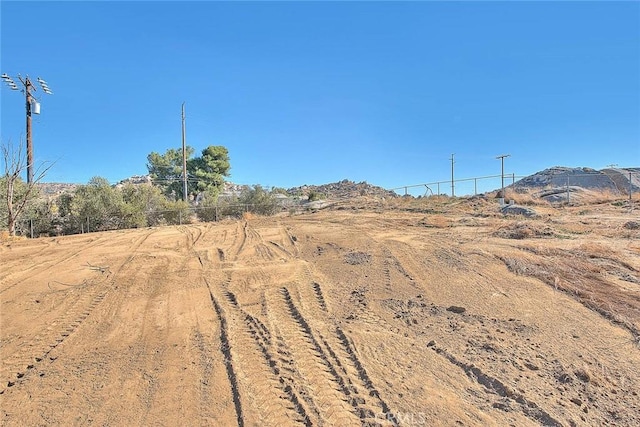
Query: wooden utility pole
{"x": 29, "y": 100}
{"x": 27, "y": 90}
{"x": 184, "y": 158}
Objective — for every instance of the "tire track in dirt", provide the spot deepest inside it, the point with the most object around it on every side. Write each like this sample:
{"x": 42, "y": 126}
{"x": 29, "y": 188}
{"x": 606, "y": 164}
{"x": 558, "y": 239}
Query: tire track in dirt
{"x": 309, "y": 371}
{"x": 225, "y": 348}
{"x": 268, "y": 391}
{"x": 340, "y": 351}
{"x": 87, "y": 298}
{"x": 334, "y": 381}
{"x": 243, "y": 235}
{"x": 39, "y": 268}
{"x": 17, "y": 366}
{"x": 493, "y": 385}
{"x": 309, "y": 283}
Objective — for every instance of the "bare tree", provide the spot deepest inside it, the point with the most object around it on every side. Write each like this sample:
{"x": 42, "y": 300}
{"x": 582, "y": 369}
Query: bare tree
{"x": 14, "y": 164}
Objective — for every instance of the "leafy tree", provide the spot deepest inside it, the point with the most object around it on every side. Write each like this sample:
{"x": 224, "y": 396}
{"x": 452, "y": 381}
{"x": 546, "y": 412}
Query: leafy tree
{"x": 166, "y": 171}
{"x": 259, "y": 200}
{"x": 205, "y": 173}
{"x": 97, "y": 203}
{"x": 143, "y": 205}
{"x": 252, "y": 199}
{"x": 209, "y": 170}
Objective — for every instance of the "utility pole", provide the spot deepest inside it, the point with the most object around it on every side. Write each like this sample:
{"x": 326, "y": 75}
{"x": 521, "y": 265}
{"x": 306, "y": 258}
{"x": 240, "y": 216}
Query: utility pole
{"x": 452, "y": 181}
{"x": 31, "y": 105}
{"x": 501, "y": 157}
{"x": 184, "y": 158}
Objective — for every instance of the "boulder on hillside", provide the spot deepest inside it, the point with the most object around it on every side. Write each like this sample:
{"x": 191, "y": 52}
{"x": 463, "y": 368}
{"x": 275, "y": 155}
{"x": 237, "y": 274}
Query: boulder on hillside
{"x": 518, "y": 210}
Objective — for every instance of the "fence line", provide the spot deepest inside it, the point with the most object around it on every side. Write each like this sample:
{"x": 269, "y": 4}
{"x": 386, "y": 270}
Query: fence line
{"x": 613, "y": 181}
{"x": 428, "y": 186}
{"x": 617, "y": 182}
{"x": 175, "y": 217}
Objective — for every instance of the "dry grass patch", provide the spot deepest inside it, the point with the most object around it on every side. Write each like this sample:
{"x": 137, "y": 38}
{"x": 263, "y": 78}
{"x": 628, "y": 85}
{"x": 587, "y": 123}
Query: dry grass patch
{"x": 524, "y": 230}
{"x": 588, "y": 274}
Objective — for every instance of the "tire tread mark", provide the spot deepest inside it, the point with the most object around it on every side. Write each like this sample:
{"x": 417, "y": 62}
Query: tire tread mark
{"x": 349, "y": 394}
{"x": 362, "y": 373}
{"x": 225, "y": 347}
{"x": 262, "y": 339}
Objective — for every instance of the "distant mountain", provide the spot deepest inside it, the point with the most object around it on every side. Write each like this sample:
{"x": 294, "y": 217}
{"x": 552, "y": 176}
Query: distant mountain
{"x": 613, "y": 179}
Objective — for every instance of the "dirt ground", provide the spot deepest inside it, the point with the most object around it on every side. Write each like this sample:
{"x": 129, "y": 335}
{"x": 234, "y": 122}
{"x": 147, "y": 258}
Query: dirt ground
{"x": 356, "y": 315}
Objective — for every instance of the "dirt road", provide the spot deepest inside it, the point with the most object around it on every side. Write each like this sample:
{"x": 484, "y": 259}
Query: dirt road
{"x": 333, "y": 318}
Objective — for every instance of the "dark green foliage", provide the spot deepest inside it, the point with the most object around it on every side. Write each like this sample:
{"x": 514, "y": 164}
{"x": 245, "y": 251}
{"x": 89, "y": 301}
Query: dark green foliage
{"x": 205, "y": 173}
{"x": 166, "y": 170}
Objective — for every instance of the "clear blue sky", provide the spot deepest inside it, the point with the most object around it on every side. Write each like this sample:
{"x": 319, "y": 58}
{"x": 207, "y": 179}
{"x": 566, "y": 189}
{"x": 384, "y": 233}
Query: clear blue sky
{"x": 316, "y": 92}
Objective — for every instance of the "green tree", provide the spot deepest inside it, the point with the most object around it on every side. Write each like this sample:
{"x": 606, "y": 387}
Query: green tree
{"x": 209, "y": 170}
{"x": 259, "y": 200}
{"x": 166, "y": 170}
{"x": 143, "y": 205}
{"x": 205, "y": 173}
{"x": 96, "y": 206}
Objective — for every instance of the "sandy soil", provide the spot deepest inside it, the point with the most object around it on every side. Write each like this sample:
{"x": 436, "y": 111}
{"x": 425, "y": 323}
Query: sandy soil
{"x": 346, "y": 317}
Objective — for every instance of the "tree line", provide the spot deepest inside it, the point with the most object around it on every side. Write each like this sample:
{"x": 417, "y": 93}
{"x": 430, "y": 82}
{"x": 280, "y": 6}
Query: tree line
{"x": 100, "y": 206}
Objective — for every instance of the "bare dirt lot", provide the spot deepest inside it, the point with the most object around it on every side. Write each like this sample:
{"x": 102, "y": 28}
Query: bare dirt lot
{"x": 382, "y": 315}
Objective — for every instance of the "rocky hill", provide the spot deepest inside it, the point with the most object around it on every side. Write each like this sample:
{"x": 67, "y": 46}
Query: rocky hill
{"x": 55, "y": 188}
{"x": 344, "y": 189}
{"x": 618, "y": 180}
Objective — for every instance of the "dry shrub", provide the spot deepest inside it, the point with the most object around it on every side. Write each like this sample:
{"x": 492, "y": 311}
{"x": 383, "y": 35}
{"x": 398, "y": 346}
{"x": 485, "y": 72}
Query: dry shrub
{"x": 632, "y": 225}
{"x": 435, "y": 221}
{"x": 574, "y": 273}
{"x": 526, "y": 197}
{"x": 595, "y": 250}
{"x": 524, "y": 230}
{"x": 602, "y": 196}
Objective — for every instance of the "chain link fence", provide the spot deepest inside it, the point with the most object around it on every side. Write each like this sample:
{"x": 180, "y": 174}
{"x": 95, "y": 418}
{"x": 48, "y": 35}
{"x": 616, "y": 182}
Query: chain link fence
{"x": 620, "y": 182}
{"x": 59, "y": 226}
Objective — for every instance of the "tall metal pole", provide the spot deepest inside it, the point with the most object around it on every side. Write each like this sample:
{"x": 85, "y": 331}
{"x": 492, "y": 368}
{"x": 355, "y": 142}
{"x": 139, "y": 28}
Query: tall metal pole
{"x": 184, "y": 158}
{"x": 502, "y": 168}
{"x": 452, "y": 181}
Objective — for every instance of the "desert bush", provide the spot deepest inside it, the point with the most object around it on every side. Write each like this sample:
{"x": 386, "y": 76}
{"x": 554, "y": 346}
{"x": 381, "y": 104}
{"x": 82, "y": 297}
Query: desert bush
{"x": 176, "y": 212}
{"x": 260, "y": 201}
{"x": 524, "y": 230}
{"x": 315, "y": 195}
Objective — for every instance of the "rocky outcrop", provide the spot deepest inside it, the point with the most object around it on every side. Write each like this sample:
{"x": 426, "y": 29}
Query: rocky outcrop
{"x": 619, "y": 180}
{"x": 344, "y": 189}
